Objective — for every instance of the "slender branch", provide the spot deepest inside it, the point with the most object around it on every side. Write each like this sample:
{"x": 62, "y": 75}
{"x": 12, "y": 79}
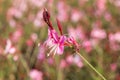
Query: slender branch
{"x": 91, "y": 66}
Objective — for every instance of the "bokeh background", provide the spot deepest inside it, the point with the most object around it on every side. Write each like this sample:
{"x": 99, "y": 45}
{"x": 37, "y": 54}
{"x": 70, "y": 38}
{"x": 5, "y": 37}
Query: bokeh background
{"x": 95, "y": 24}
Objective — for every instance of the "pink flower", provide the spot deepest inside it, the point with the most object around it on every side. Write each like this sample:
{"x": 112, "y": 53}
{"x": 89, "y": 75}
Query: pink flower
{"x": 113, "y": 40}
{"x": 69, "y": 59}
{"x": 36, "y": 75}
{"x": 117, "y": 36}
{"x": 14, "y": 12}
{"x": 98, "y": 33}
{"x": 9, "y": 48}
{"x": 50, "y": 60}
{"x": 113, "y": 66}
{"x": 94, "y": 42}
{"x": 62, "y": 11}
{"x": 87, "y": 45}
{"x": 15, "y": 57}
{"x": 50, "y": 3}
{"x": 72, "y": 32}
{"x": 101, "y": 6}
{"x": 12, "y": 23}
{"x": 15, "y": 37}
{"x": 77, "y": 61}
{"x": 63, "y": 64}
{"x": 37, "y": 3}
{"x": 116, "y": 2}
{"x": 74, "y": 59}
{"x": 41, "y": 54}
{"x": 76, "y": 33}
{"x": 38, "y": 22}
{"x": 76, "y": 15}
{"x": 20, "y": 5}
{"x": 72, "y": 42}
{"x": 55, "y": 42}
{"x": 29, "y": 43}
{"x": 108, "y": 16}
{"x": 34, "y": 36}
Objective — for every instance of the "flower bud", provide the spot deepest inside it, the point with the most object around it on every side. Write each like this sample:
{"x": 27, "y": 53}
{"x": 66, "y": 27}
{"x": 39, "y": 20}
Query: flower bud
{"x": 46, "y": 16}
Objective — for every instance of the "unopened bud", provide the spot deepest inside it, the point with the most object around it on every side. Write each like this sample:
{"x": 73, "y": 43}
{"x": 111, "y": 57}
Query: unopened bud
{"x": 46, "y": 15}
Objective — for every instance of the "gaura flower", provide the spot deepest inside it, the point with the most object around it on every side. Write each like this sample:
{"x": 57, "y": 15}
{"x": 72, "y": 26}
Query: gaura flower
{"x": 36, "y": 75}
{"x": 54, "y": 42}
{"x": 57, "y": 42}
{"x": 98, "y": 33}
{"x": 72, "y": 42}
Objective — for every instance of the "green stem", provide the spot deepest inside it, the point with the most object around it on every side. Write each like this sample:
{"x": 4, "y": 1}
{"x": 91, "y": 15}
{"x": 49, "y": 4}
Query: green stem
{"x": 91, "y": 66}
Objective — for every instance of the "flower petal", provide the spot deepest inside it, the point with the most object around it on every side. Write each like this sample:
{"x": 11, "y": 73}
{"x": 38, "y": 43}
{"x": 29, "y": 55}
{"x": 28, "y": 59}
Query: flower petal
{"x": 60, "y": 50}
{"x": 52, "y": 34}
{"x": 62, "y": 40}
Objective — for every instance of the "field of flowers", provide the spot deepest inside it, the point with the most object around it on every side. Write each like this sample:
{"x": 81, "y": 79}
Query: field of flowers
{"x": 59, "y": 39}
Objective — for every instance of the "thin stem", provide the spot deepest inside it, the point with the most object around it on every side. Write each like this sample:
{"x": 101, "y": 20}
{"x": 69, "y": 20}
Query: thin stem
{"x": 91, "y": 66}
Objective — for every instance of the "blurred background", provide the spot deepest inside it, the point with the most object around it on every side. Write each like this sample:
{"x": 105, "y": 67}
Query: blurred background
{"x": 95, "y": 24}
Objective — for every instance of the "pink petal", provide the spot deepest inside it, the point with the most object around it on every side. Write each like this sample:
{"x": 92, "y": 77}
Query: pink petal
{"x": 62, "y": 40}
{"x": 53, "y": 34}
{"x": 60, "y": 50}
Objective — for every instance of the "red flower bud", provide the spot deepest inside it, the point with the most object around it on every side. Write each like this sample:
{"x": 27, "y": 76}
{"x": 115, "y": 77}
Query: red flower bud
{"x": 46, "y": 17}
{"x": 59, "y": 26}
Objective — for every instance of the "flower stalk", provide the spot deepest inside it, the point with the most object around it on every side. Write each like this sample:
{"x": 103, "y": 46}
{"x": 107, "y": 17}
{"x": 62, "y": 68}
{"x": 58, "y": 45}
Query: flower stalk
{"x": 91, "y": 66}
